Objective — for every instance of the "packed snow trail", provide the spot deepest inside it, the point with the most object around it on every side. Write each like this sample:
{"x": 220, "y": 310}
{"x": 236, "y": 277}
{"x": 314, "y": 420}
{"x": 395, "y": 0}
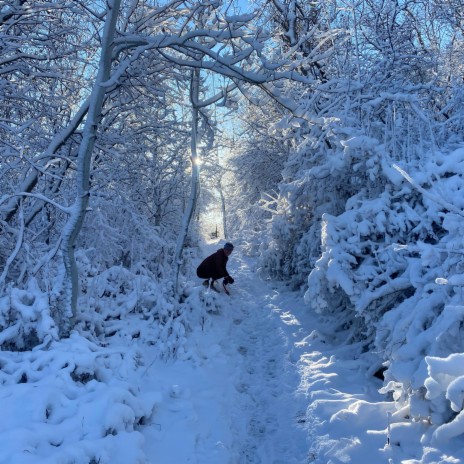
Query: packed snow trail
{"x": 234, "y": 400}
{"x": 265, "y": 421}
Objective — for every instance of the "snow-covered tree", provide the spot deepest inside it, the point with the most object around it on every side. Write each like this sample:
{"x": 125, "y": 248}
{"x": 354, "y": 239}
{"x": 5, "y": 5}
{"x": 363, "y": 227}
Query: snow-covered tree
{"x": 124, "y": 42}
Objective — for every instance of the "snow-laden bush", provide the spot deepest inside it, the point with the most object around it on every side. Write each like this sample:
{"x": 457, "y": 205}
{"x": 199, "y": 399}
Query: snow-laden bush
{"x": 390, "y": 269}
{"x": 109, "y": 240}
{"x": 365, "y": 258}
{"x": 83, "y": 398}
{"x": 318, "y": 181}
{"x": 25, "y": 318}
{"x": 198, "y": 303}
{"x": 445, "y": 390}
{"x": 73, "y": 402}
{"x": 116, "y": 301}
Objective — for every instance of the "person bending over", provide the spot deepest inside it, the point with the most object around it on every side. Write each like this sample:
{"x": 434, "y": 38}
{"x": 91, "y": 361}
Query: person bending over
{"x": 215, "y": 267}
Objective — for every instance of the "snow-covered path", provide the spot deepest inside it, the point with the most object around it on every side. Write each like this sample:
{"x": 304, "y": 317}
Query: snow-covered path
{"x": 266, "y": 418}
{"x": 262, "y": 383}
{"x": 237, "y": 402}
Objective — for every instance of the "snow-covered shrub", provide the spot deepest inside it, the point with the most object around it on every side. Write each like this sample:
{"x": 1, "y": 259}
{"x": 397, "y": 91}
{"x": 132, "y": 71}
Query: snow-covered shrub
{"x": 120, "y": 235}
{"x": 25, "y": 318}
{"x": 366, "y": 257}
{"x": 73, "y": 402}
{"x": 198, "y": 303}
{"x": 128, "y": 304}
{"x": 431, "y": 320}
{"x": 116, "y": 303}
{"x": 318, "y": 180}
{"x": 391, "y": 269}
{"x": 445, "y": 390}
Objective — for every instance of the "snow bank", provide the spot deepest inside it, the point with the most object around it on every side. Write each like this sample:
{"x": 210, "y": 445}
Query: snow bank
{"x": 389, "y": 277}
{"x": 72, "y": 403}
{"x": 82, "y": 399}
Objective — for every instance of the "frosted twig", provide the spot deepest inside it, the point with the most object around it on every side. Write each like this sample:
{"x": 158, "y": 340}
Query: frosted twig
{"x": 39, "y": 196}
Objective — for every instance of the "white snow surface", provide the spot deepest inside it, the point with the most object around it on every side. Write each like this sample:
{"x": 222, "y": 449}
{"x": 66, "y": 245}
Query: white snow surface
{"x": 255, "y": 383}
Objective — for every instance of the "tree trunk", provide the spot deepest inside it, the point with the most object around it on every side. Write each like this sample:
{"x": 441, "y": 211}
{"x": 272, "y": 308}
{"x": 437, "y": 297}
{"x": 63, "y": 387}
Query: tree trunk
{"x": 76, "y": 218}
{"x": 223, "y": 210}
{"x": 195, "y": 187}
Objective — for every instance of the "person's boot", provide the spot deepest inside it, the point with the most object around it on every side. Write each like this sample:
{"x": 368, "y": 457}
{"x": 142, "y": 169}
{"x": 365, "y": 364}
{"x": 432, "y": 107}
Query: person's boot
{"x": 206, "y": 283}
{"x": 212, "y": 287}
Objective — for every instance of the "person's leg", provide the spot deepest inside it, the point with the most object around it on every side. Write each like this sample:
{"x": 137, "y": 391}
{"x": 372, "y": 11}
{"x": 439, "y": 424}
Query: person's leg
{"x": 203, "y": 275}
{"x": 212, "y": 286}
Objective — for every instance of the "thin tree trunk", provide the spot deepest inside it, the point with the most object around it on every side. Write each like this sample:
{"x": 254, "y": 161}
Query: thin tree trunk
{"x": 223, "y": 209}
{"x": 76, "y": 218}
{"x": 195, "y": 186}
{"x": 15, "y": 251}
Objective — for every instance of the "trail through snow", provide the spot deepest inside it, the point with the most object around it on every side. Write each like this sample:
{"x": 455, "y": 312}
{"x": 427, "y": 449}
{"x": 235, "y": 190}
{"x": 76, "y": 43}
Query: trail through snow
{"x": 235, "y": 400}
{"x": 267, "y": 413}
{"x": 263, "y": 382}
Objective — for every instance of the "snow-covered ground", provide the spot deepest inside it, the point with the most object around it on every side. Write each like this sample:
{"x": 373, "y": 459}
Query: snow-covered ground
{"x": 238, "y": 402}
{"x": 255, "y": 381}
{"x": 266, "y": 387}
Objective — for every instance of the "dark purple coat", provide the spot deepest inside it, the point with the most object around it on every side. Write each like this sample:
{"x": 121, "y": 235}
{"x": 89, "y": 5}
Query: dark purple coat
{"x": 213, "y": 266}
